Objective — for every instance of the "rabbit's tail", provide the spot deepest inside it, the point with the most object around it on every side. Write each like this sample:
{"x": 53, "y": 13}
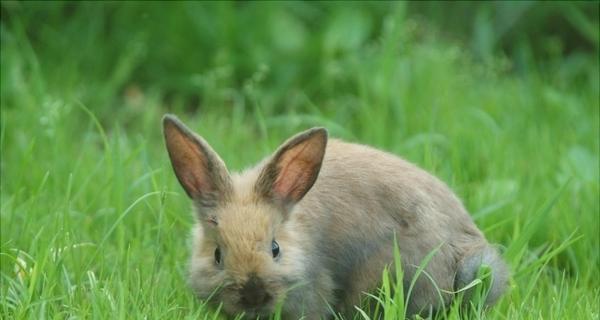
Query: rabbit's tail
{"x": 470, "y": 267}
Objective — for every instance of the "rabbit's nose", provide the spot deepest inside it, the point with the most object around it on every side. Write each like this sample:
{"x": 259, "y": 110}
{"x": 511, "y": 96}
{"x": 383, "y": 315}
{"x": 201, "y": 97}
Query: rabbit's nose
{"x": 253, "y": 293}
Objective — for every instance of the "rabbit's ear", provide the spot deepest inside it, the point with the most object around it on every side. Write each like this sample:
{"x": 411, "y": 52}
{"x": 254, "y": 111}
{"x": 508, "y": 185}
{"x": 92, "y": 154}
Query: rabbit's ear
{"x": 294, "y": 168}
{"x": 198, "y": 168}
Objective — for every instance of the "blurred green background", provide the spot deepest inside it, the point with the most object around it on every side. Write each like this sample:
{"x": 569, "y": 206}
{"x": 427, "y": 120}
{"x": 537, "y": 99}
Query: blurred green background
{"x": 190, "y": 53}
{"x": 498, "y": 99}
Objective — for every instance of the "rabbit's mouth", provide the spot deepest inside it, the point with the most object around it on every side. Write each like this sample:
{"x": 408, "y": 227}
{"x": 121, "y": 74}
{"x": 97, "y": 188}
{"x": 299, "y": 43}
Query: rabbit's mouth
{"x": 252, "y": 298}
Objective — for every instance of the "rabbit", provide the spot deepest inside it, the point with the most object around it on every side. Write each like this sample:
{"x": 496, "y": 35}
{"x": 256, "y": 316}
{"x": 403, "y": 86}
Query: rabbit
{"x": 312, "y": 227}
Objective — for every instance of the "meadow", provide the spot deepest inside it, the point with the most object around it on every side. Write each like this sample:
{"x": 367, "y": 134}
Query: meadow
{"x": 94, "y": 224}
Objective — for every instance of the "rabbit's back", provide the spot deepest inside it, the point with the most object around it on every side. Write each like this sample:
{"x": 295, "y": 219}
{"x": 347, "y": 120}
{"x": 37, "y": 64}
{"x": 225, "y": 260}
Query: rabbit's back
{"x": 363, "y": 197}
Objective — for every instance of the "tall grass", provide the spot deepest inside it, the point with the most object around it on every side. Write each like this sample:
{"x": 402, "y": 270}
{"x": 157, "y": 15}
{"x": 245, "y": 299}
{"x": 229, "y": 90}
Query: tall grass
{"x": 94, "y": 224}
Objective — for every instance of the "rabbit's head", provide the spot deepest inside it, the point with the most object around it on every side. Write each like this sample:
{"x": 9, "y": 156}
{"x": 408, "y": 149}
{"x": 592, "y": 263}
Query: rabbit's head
{"x": 247, "y": 253}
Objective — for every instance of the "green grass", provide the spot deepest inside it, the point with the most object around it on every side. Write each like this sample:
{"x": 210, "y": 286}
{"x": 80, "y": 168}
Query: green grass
{"x": 95, "y": 225}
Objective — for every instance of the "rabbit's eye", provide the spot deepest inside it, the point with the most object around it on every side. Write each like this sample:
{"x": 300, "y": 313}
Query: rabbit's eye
{"x": 275, "y": 249}
{"x": 218, "y": 255}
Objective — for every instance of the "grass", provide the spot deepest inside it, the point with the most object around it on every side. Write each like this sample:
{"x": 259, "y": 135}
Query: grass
{"x": 94, "y": 224}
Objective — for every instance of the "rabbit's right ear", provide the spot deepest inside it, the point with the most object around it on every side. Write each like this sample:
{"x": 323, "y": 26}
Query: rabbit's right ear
{"x": 198, "y": 168}
{"x": 294, "y": 168}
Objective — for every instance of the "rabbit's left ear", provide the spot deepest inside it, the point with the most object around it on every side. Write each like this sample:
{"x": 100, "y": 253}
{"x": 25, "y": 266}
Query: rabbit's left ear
{"x": 294, "y": 168}
{"x": 198, "y": 168}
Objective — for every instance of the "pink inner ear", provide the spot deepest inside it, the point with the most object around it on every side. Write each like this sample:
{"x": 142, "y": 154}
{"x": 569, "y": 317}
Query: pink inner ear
{"x": 298, "y": 168}
{"x": 290, "y": 183}
{"x": 189, "y": 163}
{"x": 194, "y": 182}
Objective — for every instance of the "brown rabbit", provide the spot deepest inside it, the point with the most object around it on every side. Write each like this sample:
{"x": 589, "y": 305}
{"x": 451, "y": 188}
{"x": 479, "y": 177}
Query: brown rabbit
{"x": 315, "y": 223}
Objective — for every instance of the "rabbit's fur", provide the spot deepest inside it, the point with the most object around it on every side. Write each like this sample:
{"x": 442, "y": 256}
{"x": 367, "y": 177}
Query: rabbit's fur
{"x": 334, "y": 209}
